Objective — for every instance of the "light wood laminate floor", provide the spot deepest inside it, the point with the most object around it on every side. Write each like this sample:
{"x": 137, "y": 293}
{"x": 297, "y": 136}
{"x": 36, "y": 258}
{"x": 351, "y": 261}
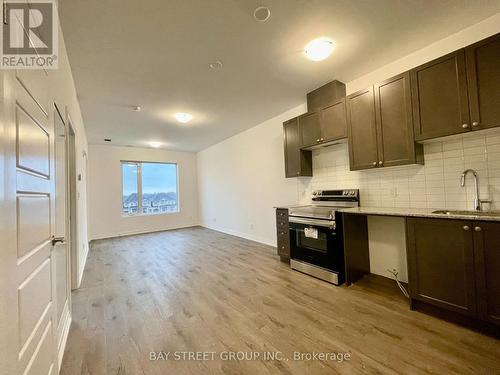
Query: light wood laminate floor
{"x": 199, "y": 290}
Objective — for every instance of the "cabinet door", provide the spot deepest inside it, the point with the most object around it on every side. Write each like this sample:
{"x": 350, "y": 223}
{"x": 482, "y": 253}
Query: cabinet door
{"x": 487, "y": 256}
{"x": 292, "y": 146}
{"x": 361, "y": 129}
{"x": 441, "y": 263}
{"x": 310, "y": 129}
{"x": 394, "y": 121}
{"x": 439, "y": 96}
{"x": 483, "y": 76}
{"x": 297, "y": 162}
{"x": 333, "y": 121}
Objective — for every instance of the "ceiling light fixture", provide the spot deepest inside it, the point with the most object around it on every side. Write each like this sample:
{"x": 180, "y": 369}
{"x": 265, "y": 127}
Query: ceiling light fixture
{"x": 261, "y": 14}
{"x": 136, "y": 108}
{"x": 319, "y": 49}
{"x": 155, "y": 144}
{"x": 183, "y": 117}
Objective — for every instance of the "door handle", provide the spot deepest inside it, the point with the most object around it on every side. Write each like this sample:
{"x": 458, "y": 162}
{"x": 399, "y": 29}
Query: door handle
{"x": 55, "y": 240}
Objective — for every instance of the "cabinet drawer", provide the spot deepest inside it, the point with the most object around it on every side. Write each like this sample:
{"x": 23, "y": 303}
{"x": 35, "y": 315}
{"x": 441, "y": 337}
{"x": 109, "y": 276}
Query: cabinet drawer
{"x": 283, "y": 242}
{"x": 283, "y": 234}
{"x": 282, "y": 215}
{"x": 283, "y": 245}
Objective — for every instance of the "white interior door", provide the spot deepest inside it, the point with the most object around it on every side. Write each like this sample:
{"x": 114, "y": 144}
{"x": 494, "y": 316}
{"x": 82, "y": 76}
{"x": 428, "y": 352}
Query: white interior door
{"x": 28, "y": 309}
{"x": 60, "y": 250}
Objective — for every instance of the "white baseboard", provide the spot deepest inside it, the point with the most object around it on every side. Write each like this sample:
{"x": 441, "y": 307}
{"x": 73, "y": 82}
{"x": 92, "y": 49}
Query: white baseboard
{"x": 132, "y": 233}
{"x": 64, "y": 339}
{"x": 246, "y": 236}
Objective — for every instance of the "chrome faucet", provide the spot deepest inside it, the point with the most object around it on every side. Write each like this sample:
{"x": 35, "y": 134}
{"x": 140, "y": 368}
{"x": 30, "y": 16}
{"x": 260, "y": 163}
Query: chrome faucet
{"x": 477, "y": 202}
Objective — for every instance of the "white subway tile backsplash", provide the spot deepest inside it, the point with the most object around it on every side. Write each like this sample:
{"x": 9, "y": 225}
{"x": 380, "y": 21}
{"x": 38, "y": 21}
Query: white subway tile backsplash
{"x": 434, "y": 185}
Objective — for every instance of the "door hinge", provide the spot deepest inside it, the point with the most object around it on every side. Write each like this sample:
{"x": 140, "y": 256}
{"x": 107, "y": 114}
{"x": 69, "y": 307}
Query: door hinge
{"x": 4, "y": 12}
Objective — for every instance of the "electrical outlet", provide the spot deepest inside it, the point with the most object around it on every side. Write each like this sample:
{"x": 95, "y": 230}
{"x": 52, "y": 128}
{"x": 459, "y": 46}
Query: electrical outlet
{"x": 251, "y": 226}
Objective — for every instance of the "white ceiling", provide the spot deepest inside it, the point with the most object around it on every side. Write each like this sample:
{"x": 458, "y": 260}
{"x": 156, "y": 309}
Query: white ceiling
{"x": 155, "y": 54}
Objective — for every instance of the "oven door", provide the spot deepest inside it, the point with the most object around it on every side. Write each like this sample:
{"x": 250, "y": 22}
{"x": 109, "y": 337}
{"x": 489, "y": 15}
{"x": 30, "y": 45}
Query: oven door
{"x": 316, "y": 242}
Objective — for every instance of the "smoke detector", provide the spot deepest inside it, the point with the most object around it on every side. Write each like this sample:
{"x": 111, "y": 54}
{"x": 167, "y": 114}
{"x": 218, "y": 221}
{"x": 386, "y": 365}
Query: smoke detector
{"x": 261, "y": 14}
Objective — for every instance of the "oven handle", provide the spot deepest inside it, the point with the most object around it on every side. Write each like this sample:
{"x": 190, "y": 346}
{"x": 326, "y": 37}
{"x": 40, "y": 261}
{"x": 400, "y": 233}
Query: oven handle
{"x": 319, "y": 223}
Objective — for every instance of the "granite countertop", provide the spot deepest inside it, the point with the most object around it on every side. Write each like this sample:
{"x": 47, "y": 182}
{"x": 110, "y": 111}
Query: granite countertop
{"x": 421, "y": 212}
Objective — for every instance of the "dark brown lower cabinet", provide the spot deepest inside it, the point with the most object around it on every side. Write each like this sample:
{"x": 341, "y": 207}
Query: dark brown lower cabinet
{"x": 441, "y": 263}
{"x": 283, "y": 238}
{"x": 487, "y": 256}
{"x": 455, "y": 265}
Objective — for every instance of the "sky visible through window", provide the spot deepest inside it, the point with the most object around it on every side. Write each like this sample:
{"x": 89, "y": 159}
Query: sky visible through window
{"x": 129, "y": 179}
{"x": 158, "y": 178}
{"x": 159, "y": 188}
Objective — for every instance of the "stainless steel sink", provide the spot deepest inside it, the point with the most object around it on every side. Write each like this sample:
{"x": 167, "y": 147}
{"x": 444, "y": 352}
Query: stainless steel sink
{"x": 469, "y": 213}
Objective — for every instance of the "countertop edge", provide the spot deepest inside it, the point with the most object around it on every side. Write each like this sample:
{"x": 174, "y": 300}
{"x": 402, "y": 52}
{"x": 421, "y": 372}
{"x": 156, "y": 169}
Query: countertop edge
{"x": 408, "y": 213}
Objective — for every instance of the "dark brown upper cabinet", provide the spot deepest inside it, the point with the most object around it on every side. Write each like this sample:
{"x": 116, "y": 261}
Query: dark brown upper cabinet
{"x": 333, "y": 121}
{"x": 396, "y": 144}
{"x": 487, "y": 262}
{"x": 441, "y": 264}
{"x": 483, "y": 78}
{"x": 324, "y": 125}
{"x": 297, "y": 162}
{"x": 310, "y": 129}
{"x": 325, "y": 95}
{"x": 362, "y": 130}
{"x": 380, "y": 125}
{"x": 439, "y": 95}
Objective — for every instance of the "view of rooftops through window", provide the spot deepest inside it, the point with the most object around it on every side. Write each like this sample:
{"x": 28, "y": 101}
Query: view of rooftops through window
{"x": 149, "y": 188}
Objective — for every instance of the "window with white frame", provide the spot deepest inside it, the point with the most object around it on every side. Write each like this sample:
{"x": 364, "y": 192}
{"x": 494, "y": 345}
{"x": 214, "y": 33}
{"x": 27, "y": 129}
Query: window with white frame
{"x": 149, "y": 188}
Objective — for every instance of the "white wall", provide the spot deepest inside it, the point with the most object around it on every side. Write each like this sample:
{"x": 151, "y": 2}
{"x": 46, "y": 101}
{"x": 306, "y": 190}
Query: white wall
{"x": 65, "y": 97}
{"x": 231, "y": 187}
{"x": 242, "y": 178}
{"x": 105, "y": 195}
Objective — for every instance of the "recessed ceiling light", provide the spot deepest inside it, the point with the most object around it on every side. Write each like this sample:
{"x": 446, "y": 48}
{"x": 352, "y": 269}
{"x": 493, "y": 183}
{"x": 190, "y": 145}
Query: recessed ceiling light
{"x": 183, "y": 117}
{"x": 155, "y": 144}
{"x": 261, "y": 14}
{"x": 319, "y": 49}
{"x": 136, "y": 108}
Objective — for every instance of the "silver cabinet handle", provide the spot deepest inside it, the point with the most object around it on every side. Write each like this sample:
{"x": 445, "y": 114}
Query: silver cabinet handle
{"x": 298, "y": 173}
{"x": 475, "y": 123}
{"x": 374, "y": 163}
{"x": 465, "y": 126}
{"x": 55, "y": 240}
{"x": 478, "y": 229}
{"x": 466, "y": 227}
{"x": 318, "y": 140}
{"x": 321, "y": 139}
{"x": 380, "y": 162}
